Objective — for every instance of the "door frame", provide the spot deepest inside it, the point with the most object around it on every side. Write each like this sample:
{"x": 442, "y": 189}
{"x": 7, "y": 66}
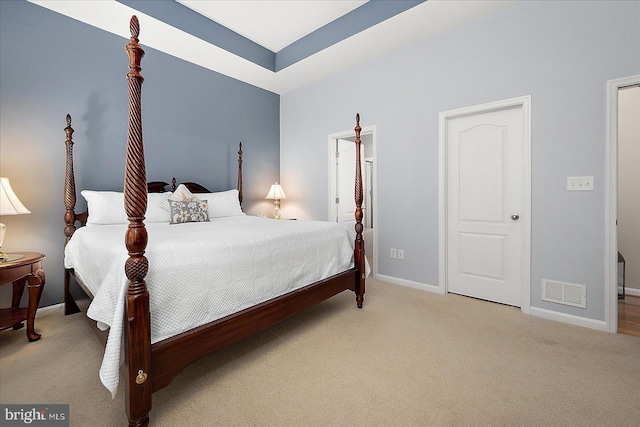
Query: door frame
{"x": 331, "y": 162}
{"x": 342, "y": 146}
{"x": 369, "y": 167}
{"x": 611, "y": 202}
{"x": 523, "y": 102}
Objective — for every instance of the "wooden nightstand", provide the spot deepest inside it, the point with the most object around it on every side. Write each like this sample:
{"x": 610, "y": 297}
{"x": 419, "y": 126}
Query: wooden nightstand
{"x": 20, "y": 269}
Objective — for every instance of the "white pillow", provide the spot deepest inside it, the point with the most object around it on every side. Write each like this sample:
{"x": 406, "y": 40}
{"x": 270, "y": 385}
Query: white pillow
{"x": 107, "y": 207}
{"x": 154, "y": 212}
{"x": 182, "y": 194}
{"x": 223, "y": 203}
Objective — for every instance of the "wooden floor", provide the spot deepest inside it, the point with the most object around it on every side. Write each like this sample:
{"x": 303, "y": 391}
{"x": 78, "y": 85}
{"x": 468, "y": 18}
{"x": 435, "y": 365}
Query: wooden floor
{"x": 629, "y": 315}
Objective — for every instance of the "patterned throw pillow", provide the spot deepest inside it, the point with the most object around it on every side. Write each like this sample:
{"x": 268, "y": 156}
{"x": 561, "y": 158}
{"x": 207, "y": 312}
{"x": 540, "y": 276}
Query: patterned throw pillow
{"x": 189, "y": 211}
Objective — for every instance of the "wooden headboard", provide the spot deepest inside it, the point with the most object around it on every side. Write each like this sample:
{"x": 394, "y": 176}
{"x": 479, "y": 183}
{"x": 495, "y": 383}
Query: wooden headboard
{"x": 71, "y": 217}
{"x": 194, "y": 187}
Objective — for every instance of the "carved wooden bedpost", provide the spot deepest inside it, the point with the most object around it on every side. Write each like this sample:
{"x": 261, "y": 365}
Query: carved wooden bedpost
{"x": 70, "y": 306}
{"x": 69, "y": 185}
{"x": 358, "y": 255}
{"x": 240, "y": 174}
{"x": 137, "y": 317}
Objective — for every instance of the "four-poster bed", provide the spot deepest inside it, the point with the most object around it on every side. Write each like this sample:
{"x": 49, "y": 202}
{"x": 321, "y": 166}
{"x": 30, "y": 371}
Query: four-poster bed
{"x": 150, "y": 363}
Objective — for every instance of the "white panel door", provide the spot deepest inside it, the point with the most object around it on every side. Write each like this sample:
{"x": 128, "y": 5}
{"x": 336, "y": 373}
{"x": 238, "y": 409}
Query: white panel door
{"x": 485, "y": 197}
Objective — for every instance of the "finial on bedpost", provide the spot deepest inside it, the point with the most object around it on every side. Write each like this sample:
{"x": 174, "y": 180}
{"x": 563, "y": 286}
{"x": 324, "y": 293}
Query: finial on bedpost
{"x": 134, "y": 50}
{"x": 358, "y": 255}
{"x": 240, "y": 175}
{"x": 138, "y": 319}
{"x": 69, "y": 185}
{"x": 134, "y": 26}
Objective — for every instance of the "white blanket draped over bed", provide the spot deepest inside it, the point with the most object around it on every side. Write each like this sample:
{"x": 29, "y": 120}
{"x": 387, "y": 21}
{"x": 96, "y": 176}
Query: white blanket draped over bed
{"x": 200, "y": 272}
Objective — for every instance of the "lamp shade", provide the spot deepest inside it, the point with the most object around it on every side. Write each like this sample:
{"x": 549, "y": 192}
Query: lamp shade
{"x": 9, "y": 202}
{"x": 276, "y": 192}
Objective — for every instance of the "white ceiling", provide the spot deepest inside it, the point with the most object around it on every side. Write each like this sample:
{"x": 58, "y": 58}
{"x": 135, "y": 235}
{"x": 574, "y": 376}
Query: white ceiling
{"x": 422, "y": 21}
{"x": 273, "y": 24}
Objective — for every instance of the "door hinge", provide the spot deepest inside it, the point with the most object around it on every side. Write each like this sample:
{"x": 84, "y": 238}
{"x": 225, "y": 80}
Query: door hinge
{"x": 337, "y": 199}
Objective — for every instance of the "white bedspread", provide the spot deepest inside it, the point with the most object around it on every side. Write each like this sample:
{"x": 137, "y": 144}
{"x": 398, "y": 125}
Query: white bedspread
{"x": 200, "y": 272}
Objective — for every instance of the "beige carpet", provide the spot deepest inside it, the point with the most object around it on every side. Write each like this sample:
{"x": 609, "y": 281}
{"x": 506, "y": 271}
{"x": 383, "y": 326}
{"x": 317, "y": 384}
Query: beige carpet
{"x": 409, "y": 358}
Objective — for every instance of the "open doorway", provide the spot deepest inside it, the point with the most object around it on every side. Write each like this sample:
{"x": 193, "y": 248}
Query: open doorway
{"x": 628, "y": 206}
{"x": 341, "y": 166}
{"x": 621, "y": 197}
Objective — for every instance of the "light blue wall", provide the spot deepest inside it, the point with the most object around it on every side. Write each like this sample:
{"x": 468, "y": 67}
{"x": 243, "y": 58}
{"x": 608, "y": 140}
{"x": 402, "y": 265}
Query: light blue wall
{"x": 193, "y": 119}
{"x": 560, "y": 53}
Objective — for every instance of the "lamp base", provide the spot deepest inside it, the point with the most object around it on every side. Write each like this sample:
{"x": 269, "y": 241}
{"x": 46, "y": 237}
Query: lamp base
{"x": 3, "y": 257}
{"x": 276, "y": 209}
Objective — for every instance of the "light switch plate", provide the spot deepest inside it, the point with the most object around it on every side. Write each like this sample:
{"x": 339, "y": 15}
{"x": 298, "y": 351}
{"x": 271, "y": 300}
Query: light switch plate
{"x": 580, "y": 183}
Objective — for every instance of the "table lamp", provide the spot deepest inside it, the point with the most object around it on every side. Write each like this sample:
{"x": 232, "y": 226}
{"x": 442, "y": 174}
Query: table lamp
{"x": 276, "y": 193}
{"x": 9, "y": 205}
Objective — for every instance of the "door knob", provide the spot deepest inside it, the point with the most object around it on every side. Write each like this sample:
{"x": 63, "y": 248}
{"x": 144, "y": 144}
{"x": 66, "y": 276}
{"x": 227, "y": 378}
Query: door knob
{"x": 515, "y": 217}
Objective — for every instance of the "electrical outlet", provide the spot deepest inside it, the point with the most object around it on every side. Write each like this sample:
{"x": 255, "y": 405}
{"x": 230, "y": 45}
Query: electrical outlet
{"x": 580, "y": 183}
{"x": 393, "y": 253}
{"x": 400, "y": 253}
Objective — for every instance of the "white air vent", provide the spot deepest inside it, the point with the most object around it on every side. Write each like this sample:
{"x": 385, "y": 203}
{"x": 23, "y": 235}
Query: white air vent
{"x": 564, "y": 293}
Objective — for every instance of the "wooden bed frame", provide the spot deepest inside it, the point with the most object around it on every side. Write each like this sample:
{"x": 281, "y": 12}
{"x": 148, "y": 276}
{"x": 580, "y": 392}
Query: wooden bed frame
{"x": 150, "y": 367}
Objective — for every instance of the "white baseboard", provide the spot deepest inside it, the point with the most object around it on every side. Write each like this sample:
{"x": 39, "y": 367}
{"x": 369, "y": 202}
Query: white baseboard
{"x": 409, "y": 283}
{"x": 43, "y": 311}
{"x": 629, "y": 291}
{"x": 599, "y": 325}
